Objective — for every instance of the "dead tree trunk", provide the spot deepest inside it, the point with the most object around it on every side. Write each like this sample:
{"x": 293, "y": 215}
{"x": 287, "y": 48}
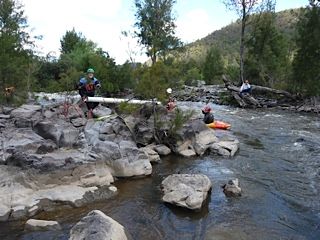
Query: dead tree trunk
{"x": 245, "y": 100}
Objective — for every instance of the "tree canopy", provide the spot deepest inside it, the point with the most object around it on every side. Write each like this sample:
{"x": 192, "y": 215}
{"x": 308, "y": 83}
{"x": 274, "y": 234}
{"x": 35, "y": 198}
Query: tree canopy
{"x": 155, "y": 27}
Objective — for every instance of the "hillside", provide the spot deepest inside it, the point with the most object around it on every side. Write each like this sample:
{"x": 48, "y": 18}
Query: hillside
{"x": 227, "y": 39}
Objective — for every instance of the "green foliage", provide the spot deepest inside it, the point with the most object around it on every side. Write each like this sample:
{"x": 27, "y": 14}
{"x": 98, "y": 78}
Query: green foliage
{"x": 155, "y": 27}
{"x": 267, "y": 60}
{"x": 70, "y": 41}
{"x": 180, "y": 118}
{"x": 128, "y": 108}
{"x": 154, "y": 80}
{"x": 191, "y": 75}
{"x": 306, "y": 65}
{"x": 213, "y": 66}
{"x": 78, "y": 54}
{"x": 15, "y": 61}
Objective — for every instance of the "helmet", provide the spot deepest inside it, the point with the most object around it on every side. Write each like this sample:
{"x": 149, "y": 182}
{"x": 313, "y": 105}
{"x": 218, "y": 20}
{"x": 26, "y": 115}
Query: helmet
{"x": 90, "y": 70}
{"x": 206, "y": 109}
{"x": 169, "y": 90}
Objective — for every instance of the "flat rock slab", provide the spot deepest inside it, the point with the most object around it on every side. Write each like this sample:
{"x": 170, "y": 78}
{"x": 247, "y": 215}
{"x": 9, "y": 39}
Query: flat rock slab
{"x": 186, "y": 190}
{"x": 4, "y": 116}
{"x": 97, "y": 226}
{"x": 162, "y": 150}
{"x": 25, "y": 111}
{"x": 42, "y": 225}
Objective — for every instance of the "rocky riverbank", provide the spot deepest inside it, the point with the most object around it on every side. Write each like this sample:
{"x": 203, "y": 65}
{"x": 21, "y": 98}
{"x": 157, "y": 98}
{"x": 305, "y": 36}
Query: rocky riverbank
{"x": 266, "y": 98}
{"x": 52, "y": 158}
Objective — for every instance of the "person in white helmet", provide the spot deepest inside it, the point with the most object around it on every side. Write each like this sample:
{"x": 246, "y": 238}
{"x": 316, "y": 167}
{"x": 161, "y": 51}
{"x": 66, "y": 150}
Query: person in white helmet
{"x": 171, "y": 102}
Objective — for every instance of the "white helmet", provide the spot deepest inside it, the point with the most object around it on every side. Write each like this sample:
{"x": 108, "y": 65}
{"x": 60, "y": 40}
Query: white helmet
{"x": 169, "y": 90}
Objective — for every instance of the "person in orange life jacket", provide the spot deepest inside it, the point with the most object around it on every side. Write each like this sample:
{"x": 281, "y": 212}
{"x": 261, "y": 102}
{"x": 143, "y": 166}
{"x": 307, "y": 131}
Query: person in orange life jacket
{"x": 87, "y": 86}
{"x": 245, "y": 88}
{"x": 171, "y": 102}
{"x": 208, "y": 116}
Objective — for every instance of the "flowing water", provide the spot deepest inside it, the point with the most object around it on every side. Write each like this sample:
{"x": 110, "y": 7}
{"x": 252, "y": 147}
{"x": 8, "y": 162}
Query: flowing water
{"x": 278, "y": 167}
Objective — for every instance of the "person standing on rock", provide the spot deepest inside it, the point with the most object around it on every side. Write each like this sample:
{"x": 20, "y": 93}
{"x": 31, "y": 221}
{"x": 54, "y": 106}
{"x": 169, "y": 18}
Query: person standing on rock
{"x": 171, "y": 102}
{"x": 208, "y": 116}
{"x": 87, "y": 87}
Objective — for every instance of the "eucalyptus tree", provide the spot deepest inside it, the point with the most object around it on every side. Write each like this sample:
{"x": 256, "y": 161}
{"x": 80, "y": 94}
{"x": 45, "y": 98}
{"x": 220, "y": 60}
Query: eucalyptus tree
{"x": 155, "y": 27}
{"x": 244, "y": 8}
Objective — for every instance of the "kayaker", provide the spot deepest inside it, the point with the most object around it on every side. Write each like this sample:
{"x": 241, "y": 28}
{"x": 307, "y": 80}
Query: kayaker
{"x": 245, "y": 88}
{"x": 87, "y": 86}
{"x": 208, "y": 115}
{"x": 171, "y": 102}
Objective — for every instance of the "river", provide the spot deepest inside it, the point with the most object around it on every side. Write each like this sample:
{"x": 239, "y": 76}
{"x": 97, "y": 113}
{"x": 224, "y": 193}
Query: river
{"x": 278, "y": 167}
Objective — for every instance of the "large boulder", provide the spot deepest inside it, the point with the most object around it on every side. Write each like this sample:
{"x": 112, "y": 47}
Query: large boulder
{"x": 63, "y": 134}
{"x": 203, "y": 140}
{"x": 26, "y": 141}
{"x": 42, "y": 225}
{"x": 226, "y": 147}
{"x": 121, "y": 155}
{"x": 25, "y": 111}
{"x": 186, "y": 190}
{"x": 25, "y": 193}
{"x": 56, "y": 160}
{"x": 97, "y": 226}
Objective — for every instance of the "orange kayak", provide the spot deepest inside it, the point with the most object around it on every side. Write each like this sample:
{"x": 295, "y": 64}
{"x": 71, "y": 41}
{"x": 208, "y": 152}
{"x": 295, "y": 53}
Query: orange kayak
{"x": 219, "y": 125}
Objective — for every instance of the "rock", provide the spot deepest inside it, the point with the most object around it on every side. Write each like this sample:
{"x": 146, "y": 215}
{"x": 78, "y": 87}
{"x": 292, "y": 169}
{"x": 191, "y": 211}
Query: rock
{"x": 69, "y": 137}
{"x": 186, "y": 190}
{"x": 226, "y": 148}
{"x": 188, "y": 153}
{"x": 203, "y": 140}
{"x": 26, "y": 193}
{"x": 79, "y": 122}
{"x": 152, "y": 155}
{"x": 144, "y": 133}
{"x": 133, "y": 161}
{"x": 162, "y": 150}
{"x": 24, "y": 140}
{"x": 41, "y": 225}
{"x": 4, "y": 212}
{"x": 7, "y": 110}
{"x": 232, "y": 189}
{"x": 97, "y": 226}
{"x": 49, "y": 130}
{"x": 25, "y": 111}
{"x": 4, "y": 116}
{"x": 101, "y": 111}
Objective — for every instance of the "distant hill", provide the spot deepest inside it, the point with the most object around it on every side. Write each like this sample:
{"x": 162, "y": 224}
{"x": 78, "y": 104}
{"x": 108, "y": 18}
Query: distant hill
{"x": 227, "y": 39}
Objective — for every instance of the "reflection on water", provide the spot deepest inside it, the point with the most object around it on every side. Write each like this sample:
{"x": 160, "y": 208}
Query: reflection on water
{"x": 278, "y": 167}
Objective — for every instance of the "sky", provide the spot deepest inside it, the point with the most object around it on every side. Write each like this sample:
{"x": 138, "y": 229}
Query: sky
{"x": 102, "y": 22}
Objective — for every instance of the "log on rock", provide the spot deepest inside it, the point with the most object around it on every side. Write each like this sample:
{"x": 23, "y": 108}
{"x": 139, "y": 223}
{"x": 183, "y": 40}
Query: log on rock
{"x": 244, "y": 100}
{"x": 261, "y": 89}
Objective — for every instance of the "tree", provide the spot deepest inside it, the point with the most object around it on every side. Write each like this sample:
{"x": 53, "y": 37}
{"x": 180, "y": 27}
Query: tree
{"x": 306, "y": 64}
{"x": 155, "y": 27}
{"x": 70, "y": 41}
{"x": 213, "y": 66}
{"x": 243, "y": 8}
{"x": 268, "y": 50}
{"x": 14, "y": 57}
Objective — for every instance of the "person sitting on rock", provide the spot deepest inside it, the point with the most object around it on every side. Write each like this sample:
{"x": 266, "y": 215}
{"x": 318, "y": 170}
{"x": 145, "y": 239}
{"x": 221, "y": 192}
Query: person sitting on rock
{"x": 87, "y": 86}
{"x": 208, "y": 115}
{"x": 245, "y": 88}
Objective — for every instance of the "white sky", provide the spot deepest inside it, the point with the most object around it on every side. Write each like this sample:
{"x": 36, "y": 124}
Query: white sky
{"x": 102, "y": 21}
